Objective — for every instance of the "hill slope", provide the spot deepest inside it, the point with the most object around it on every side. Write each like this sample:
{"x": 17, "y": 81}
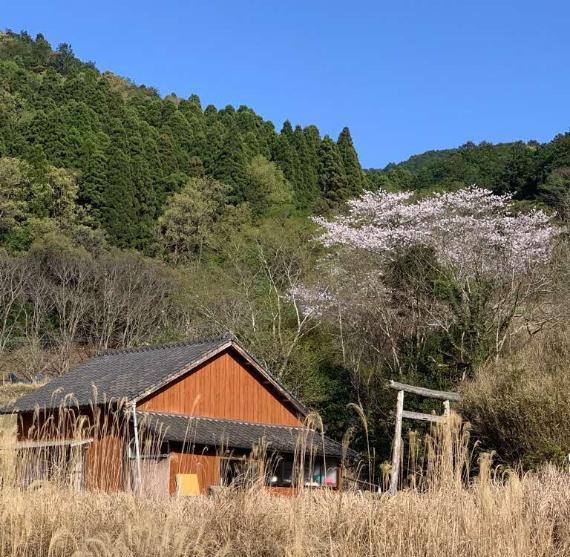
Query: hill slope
{"x": 528, "y": 171}
{"x": 128, "y": 150}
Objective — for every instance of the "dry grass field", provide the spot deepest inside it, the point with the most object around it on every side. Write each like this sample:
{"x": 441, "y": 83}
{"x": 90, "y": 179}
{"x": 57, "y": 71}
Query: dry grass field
{"x": 514, "y": 517}
{"x": 8, "y": 393}
{"x": 450, "y": 512}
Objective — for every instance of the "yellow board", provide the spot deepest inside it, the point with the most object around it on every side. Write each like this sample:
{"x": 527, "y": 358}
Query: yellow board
{"x": 187, "y": 485}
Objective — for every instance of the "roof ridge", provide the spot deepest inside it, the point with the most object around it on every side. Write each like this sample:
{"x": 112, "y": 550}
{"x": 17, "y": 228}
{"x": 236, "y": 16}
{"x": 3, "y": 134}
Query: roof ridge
{"x": 227, "y": 336}
{"x": 212, "y": 419}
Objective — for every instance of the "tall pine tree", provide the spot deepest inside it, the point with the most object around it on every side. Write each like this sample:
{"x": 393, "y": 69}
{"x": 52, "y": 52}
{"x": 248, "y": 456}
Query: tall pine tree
{"x": 308, "y": 190}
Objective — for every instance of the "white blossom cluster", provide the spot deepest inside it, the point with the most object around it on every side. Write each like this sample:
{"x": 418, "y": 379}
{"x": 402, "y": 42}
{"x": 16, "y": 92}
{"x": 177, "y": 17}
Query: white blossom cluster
{"x": 472, "y": 229}
{"x": 312, "y": 301}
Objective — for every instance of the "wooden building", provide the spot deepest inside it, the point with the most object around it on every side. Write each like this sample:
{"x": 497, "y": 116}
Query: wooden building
{"x": 188, "y": 416}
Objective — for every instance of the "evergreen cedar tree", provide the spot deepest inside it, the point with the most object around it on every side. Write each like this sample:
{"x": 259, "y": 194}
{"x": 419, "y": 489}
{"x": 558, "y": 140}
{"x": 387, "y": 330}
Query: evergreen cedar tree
{"x": 130, "y": 149}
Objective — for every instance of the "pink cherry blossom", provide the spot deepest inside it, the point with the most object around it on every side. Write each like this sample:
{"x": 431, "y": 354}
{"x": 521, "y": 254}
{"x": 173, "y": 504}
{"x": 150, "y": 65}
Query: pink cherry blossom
{"x": 472, "y": 230}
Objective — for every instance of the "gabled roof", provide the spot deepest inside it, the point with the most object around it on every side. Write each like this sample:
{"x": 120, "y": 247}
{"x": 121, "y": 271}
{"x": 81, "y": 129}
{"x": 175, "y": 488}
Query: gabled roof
{"x": 133, "y": 374}
{"x": 234, "y": 434}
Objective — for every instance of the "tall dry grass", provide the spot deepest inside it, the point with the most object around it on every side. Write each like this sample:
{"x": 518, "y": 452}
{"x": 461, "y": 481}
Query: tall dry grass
{"x": 528, "y": 516}
{"x": 446, "y": 514}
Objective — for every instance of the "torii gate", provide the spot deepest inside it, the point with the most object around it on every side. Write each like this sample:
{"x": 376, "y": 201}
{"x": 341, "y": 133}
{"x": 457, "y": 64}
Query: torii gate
{"x": 445, "y": 396}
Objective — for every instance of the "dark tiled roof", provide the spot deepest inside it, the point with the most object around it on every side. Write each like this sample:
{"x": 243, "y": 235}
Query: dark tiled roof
{"x": 129, "y": 375}
{"x": 232, "y": 434}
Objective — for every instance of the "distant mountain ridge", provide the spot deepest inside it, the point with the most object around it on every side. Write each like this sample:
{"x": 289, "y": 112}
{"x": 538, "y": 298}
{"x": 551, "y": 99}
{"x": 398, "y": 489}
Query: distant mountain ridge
{"x": 529, "y": 171}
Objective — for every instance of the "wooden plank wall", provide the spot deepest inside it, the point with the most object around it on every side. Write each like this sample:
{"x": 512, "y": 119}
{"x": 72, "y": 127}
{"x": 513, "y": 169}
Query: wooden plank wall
{"x": 25, "y": 422}
{"x": 104, "y": 457}
{"x": 222, "y": 388}
{"x": 206, "y": 466}
{"x": 105, "y": 464}
{"x": 283, "y": 491}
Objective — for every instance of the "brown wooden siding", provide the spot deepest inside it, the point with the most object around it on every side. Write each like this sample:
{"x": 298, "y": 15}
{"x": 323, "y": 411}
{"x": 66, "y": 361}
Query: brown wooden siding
{"x": 104, "y": 464}
{"x": 206, "y": 466}
{"x": 222, "y": 388}
{"x": 283, "y": 491}
{"x": 25, "y": 424}
{"x": 105, "y": 455}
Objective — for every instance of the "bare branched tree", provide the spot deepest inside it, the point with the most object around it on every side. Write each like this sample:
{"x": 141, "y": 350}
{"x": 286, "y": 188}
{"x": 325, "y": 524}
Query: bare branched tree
{"x": 12, "y": 286}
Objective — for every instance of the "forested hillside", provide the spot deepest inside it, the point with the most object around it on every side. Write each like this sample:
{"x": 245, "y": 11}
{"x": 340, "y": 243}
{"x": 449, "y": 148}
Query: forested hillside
{"x": 119, "y": 151}
{"x": 127, "y": 219}
{"x": 528, "y": 171}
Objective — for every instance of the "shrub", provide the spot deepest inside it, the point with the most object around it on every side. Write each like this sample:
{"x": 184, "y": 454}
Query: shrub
{"x": 518, "y": 406}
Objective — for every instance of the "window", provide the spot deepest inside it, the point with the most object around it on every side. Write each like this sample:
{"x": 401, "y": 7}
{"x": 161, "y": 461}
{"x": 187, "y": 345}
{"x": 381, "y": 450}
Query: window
{"x": 317, "y": 476}
{"x": 238, "y": 472}
{"x": 281, "y": 474}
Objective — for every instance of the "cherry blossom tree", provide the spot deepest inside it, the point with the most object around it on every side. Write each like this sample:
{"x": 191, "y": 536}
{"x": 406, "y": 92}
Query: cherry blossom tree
{"x": 471, "y": 230}
{"x": 462, "y": 266}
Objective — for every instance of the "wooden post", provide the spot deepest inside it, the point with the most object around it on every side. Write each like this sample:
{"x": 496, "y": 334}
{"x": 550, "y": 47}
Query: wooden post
{"x": 138, "y": 485}
{"x": 395, "y": 473}
{"x": 446, "y": 408}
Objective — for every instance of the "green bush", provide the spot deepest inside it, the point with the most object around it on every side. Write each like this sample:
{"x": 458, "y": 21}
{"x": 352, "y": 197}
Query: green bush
{"x": 518, "y": 406}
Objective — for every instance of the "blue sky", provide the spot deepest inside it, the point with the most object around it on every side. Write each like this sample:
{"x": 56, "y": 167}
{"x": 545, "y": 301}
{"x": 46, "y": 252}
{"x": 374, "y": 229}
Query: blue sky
{"x": 405, "y": 76}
